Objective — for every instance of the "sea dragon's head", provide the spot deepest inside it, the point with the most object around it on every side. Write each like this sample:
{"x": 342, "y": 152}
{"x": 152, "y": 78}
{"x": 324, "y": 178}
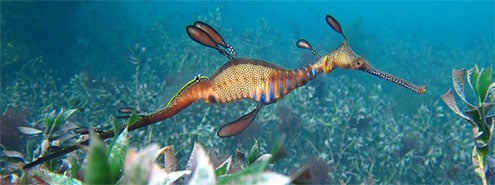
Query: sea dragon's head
{"x": 344, "y": 57}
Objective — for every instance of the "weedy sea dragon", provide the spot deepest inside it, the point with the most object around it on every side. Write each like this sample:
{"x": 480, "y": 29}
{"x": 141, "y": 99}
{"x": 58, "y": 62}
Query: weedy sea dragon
{"x": 263, "y": 82}
{"x": 244, "y": 78}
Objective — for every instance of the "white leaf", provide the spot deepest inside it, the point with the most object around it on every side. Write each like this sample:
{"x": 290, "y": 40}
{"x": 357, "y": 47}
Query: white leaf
{"x": 204, "y": 173}
{"x": 263, "y": 178}
{"x": 29, "y": 130}
{"x": 13, "y": 154}
{"x": 174, "y": 176}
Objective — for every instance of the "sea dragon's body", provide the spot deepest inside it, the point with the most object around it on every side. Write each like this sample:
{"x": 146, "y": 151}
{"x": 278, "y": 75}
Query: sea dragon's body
{"x": 239, "y": 79}
{"x": 244, "y": 78}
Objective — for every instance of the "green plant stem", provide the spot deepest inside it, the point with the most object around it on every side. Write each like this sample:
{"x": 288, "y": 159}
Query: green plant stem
{"x": 136, "y": 83}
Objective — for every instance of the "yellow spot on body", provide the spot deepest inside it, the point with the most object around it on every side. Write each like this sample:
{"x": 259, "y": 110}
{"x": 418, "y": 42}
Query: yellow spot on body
{"x": 242, "y": 81}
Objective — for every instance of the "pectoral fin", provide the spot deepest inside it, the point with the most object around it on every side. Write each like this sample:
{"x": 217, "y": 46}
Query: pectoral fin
{"x": 240, "y": 124}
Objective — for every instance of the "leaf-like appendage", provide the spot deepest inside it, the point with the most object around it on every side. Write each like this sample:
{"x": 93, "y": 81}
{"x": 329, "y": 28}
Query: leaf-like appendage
{"x": 62, "y": 117}
{"x": 478, "y": 165}
{"x": 487, "y": 107}
{"x": 265, "y": 159}
{"x": 53, "y": 121}
{"x": 255, "y": 169}
{"x": 490, "y": 95}
{"x": 12, "y": 154}
{"x": 260, "y": 179}
{"x": 49, "y": 123}
{"x": 98, "y": 168}
{"x": 169, "y": 159}
{"x": 67, "y": 114}
{"x": 458, "y": 76}
{"x": 480, "y": 142}
{"x": 132, "y": 119}
{"x": 29, "y": 130}
{"x": 174, "y": 176}
{"x": 191, "y": 162}
{"x": 253, "y": 153}
{"x": 484, "y": 83}
{"x": 472, "y": 77}
{"x": 476, "y": 116}
{"x": 448, "y": 99}
{"x": 140, "y": 168}
{"x": 458, "y": 82}
{"x": 240, "y": 157}
{"x": 54, "y": 178}
{"x": 117, "y": 154}
{"x": 223, "y": 168}
{"x": 278, "y": 150}
{"x": 204, "y": 174}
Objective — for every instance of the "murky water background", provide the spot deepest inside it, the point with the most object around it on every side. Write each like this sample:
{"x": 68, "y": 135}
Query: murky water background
{"x": 75, "y": 55}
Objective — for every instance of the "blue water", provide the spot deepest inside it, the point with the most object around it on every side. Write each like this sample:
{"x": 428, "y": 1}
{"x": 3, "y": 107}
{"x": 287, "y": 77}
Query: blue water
{"x": 457, "y": 22}
{"x": 420, "y": 41}
{"x": 442, "y": 24}
{"x": 438, "y": 21}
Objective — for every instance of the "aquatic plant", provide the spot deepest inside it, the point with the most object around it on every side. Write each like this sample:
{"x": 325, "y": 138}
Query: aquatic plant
{"x": 56, "y": 134}
{"x": 137, "y": 57}
{"x": 479, "y": 115}
{"x": 120, "y": 165}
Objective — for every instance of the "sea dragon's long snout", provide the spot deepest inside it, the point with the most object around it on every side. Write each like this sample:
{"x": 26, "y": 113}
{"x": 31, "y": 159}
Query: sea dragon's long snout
{"x": 344, "y": 57}
{"x": 406, "y": 84}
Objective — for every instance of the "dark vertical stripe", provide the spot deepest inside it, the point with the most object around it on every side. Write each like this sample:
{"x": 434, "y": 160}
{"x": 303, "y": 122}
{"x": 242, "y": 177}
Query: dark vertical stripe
{"x": 287, "y": 78}
{"x": 306, "y": 75}
{"x": 275, "y": 86}
{"x": 296, "y": 79}
{"x": 262, "y": 96}
{"x": 284, "y": 83}
{"x": 302, "y": 77}
{"x": 271, "y": 92}
{"x": 281, "y": 87}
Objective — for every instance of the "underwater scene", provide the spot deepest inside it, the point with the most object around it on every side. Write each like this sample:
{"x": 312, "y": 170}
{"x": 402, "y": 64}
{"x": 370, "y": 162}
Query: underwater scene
{"x": 247, "y": 92}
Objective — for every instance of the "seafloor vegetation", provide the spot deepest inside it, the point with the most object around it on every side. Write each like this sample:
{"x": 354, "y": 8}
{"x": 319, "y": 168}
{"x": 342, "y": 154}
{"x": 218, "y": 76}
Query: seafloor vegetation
{"x": 347, "y": 126}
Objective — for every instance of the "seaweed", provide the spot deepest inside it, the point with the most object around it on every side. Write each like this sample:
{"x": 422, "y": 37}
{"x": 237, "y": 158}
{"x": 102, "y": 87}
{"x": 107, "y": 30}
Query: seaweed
{"x": 120, "y": 165}
{"x": 478, "y": 114}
